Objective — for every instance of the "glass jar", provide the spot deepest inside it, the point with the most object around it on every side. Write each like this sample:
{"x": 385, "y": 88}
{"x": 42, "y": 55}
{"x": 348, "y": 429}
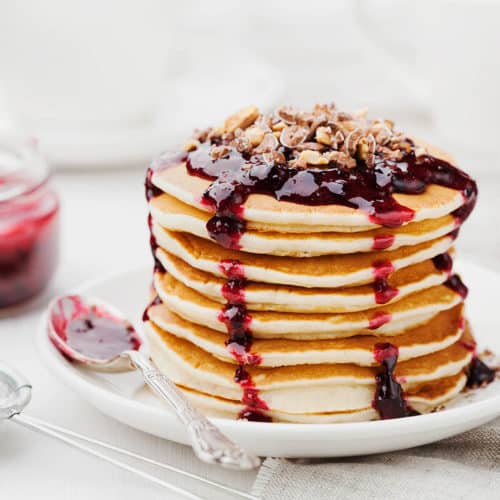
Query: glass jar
{"x": 29, "y": 221}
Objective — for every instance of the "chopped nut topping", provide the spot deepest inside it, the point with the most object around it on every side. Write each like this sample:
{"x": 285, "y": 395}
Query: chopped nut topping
{"x": 255, "y": 135}
{"x": 242, "y": 119}
{"x": 351, "y": 141}
{"x": 268, "y": 144}
{"x": 309, "y": 157}
{"x": 324, "y": 135}
{"x": 341, "y": 159}
{"x": 242, "y": 144}
{"x": 191, "y": 145}
{"x": 366, "y": 149}
{"x": 274, "y": 157}
{"x": 321, "y": 137}
{"x": 218, "y": 152}
{"x": 278, "y": 127}
{"x": 310, "y": 145}
{"x": 293, "y": 135}
{"x": 287, "y": 114}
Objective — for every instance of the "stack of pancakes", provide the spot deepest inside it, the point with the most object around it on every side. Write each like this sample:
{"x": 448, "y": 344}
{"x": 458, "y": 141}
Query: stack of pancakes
{"x": 311, "y": 313}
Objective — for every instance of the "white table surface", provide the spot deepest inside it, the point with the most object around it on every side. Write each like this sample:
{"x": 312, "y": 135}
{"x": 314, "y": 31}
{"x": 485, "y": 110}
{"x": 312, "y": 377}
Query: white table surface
{"x": 104, "y": 230}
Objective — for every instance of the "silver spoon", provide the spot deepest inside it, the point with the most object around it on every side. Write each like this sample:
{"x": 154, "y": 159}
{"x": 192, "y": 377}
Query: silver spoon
{"x": 68, "y": 323}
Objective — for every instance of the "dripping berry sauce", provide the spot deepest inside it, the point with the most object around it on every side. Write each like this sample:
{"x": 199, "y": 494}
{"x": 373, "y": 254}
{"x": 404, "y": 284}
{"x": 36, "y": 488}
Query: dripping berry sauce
{"x": 155, "y": 302}
{"x": 254, "y": 404}
{"x": 383, "y": 291}
{"x": 237, "y": 320}
{"x": 158, "y": 266}
{"x": 389, "y": 401}
{"x": 455, "y": 283}
{"x": 443, "y": 262}
{"x": 383, "y": 241}
{"x": 379, "y": 319}
{"x": 479, "y": 373}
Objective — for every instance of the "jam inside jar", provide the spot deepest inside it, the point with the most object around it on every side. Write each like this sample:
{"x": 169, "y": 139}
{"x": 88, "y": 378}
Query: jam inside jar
{"x": 29, "y": 222}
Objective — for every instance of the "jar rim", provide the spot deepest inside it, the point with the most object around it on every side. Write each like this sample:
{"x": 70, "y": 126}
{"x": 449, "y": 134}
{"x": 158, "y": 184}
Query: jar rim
{"x": 23, "y": 169}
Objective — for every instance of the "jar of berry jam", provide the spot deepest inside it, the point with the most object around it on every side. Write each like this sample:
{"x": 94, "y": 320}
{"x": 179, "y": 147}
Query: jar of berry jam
{"x": 29, "y": 221}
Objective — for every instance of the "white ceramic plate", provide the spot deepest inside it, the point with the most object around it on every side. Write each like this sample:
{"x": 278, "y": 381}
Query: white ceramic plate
{"x": 123, "y": 396}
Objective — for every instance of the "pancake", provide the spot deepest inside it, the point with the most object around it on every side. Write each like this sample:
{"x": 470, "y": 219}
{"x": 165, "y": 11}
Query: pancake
{"x": 327, "y": 271}
{"x": 267, "y": 297}
{"x": 303, "y": 269}
{"x": 435, "y": 202}
{"x": 174, "y": 215}
{"x": 297, "y": 389}
{"x": 423, "y": 398}
{"x": 440, "y": 332}
{"x": 411, "y": 311}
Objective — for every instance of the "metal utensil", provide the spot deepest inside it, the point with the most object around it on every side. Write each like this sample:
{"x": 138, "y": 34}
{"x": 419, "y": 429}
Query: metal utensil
{"x": 15, "y": 395}
{"x": 208, "y": 442}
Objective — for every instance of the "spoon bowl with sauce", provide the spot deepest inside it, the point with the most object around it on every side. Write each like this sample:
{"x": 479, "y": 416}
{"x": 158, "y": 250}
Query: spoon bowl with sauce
{"x": 95, "y": 334}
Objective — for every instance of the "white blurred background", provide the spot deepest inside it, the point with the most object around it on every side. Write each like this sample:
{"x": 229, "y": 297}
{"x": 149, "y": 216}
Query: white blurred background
{"x": 112, "y": 82}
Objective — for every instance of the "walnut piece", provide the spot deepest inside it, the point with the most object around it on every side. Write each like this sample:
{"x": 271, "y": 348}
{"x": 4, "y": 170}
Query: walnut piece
{"x": 242, "y": 144}
{"x": 274, "y": 157}
{"x": 191, "y": 145}
{"x": 324, "y": 135}
{"x": 341, "y": 159}
{"x": 242, "y": 119}
{"x": 268, "y": 144}
{"x": 255, "y": 135}
{"x": 309, "y": 157}
{"x": 293, "y": 135}
{"x": 218, "y": 152}
{"x": 287, "y": 114}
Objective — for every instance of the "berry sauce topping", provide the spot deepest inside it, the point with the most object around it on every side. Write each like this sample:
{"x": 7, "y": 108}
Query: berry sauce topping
{"x": 237, "y": 320}
{"x": 443, "y": 262}
{"x": 455, "y": 283}
{"x": 232, "y": 269}
{"x": 158, "y": 266}
{"x": 165, "y": 161}
{"x": 151, "y": 190}
{"x": 389, "y": 399}
{"x": 254, "y": 404}
{"x": 155, "y": 302}
{"x": 379, "y": 319}
{"x": 91, "y": 331}
{"x": 383, "y": 241}
{"x": 233, "y": 290}
{"x": 479, "y": 374}
{"x": 383, "y": 291}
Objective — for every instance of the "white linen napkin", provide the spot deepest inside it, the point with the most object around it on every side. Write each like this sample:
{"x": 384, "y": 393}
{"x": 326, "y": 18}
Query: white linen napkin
{"x": 463, "y": 467}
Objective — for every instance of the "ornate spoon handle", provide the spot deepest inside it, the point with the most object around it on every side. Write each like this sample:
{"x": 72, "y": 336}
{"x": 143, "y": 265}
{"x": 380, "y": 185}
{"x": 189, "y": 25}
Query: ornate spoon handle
{"x": 208, "y": 442}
